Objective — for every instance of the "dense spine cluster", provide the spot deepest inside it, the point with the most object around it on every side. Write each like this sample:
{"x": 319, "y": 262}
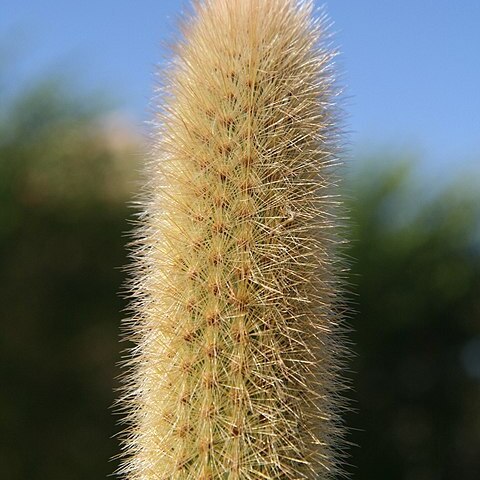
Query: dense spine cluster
{"x": 234, "y": 372}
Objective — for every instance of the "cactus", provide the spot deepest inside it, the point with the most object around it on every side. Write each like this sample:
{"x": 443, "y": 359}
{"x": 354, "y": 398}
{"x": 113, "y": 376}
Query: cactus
{"x": 234, "y": 373}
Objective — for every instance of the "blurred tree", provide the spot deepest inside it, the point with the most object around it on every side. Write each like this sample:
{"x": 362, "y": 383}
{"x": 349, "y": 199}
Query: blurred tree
{"x": 416, "y": 279}
{"x": 65, "y": 177}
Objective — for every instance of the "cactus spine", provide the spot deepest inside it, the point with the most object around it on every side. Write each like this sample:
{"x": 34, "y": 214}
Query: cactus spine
{"x": 234, "y": 373}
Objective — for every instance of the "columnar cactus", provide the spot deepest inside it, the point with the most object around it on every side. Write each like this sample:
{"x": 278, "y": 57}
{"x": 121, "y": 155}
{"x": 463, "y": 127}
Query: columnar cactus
{"x": 234, "y": 372}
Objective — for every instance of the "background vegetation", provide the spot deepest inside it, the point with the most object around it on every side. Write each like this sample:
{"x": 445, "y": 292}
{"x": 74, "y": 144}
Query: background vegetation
{"x": 66, "y": 177}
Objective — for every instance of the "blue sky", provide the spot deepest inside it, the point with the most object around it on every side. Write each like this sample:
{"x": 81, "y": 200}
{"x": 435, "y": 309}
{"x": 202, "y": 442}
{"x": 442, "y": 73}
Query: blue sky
{"x": 411, "y": 68}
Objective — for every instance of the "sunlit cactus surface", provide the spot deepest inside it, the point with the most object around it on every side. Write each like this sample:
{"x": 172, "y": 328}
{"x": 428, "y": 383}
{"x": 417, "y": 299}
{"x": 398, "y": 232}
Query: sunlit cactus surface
{"x": 236, "y": 279}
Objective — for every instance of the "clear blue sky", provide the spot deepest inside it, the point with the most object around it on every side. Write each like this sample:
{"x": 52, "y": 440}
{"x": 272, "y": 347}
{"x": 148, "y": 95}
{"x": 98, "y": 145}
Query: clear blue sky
{"x": 411, "y": 67}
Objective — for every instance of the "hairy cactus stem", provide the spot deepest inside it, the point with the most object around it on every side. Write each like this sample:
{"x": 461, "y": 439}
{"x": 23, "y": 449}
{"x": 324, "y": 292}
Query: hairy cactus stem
{"x": 236, "y": 285}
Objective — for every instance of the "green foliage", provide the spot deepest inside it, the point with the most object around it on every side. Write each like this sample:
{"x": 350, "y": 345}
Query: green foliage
{"x": 63, "y": 190}
{"x": 416, "y": 276}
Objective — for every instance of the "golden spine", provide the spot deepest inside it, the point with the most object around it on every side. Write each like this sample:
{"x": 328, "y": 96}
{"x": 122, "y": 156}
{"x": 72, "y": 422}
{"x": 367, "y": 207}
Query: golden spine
{"x": 234, "y": 372}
